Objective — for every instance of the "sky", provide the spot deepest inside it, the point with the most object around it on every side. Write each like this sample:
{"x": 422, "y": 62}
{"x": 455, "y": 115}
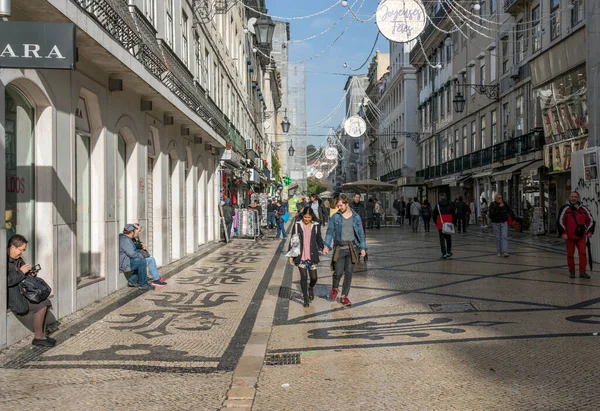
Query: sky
{"x": 326, "y": 75}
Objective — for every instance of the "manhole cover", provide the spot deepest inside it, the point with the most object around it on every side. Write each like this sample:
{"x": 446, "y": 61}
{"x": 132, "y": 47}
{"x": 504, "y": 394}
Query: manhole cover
{"x": 282, "y": 359}
{"x": 452, "y": 308}
{"x": 285, "y": 292}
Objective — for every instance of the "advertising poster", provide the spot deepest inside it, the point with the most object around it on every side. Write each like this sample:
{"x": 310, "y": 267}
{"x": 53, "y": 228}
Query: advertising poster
{"x": 590, "y": 165}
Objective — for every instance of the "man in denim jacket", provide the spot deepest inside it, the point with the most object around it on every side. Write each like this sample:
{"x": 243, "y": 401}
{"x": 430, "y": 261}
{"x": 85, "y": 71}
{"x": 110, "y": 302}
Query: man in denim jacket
{"x": 346, "y": 232}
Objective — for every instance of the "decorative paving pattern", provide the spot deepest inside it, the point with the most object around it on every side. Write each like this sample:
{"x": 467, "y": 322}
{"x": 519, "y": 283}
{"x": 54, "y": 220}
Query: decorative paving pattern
{"x": 469, "y": 333}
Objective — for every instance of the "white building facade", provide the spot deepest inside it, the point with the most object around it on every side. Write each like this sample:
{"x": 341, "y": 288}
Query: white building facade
{"x": 134, "y": 134}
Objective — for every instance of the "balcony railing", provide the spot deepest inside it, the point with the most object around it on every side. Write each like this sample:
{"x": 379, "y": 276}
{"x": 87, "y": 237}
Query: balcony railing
{"x": 148, "y": 52}
{"x": 392, "y": 175}
{"x": 506, "y": 150}
{"x": 114, "y": 16}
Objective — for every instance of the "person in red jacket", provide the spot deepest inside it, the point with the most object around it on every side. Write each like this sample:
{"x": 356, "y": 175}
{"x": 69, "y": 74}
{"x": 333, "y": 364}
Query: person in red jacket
{"x": 443, "y": 213}
{"x": 572, "y": 215}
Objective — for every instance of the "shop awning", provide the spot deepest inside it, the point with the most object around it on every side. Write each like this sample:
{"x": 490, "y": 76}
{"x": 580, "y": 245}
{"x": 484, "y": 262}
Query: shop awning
{"x": 410, "y": 181}
{"x": 451, "y": 179}
{"x": 485, "y": 173}
{"x": 506, "y": 173}
{"x": 533, "y": 168}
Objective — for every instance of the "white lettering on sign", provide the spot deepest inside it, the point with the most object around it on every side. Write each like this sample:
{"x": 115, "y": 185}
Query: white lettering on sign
{"x": 8, "y": 49}
{"x": 32, "y": 51}
{"x": 401, "y": 20}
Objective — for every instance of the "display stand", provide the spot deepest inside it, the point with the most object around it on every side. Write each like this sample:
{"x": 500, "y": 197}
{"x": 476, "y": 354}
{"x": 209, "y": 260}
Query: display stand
{"x": 537, "y": 221}
{"x": 248, "y": 224}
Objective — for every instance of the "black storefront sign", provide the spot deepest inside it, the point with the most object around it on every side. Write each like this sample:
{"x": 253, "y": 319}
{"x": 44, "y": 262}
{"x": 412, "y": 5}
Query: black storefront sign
{"x": 37, "y": 45}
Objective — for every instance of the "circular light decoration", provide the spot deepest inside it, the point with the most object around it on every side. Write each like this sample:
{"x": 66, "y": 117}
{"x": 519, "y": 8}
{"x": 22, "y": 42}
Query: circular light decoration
{"x": 401, "y": 20}
{"x": 331, "y": 153}
{"x": 319, "y": 174}
{"x": 355, "y": 126}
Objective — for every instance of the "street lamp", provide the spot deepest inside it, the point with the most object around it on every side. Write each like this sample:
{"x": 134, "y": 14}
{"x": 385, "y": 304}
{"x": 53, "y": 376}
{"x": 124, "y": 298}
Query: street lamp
{"x": 285, "y": 125}
{"x": 459, "y": 102}
{"x": 264, "y": 28}
{"x": 291, "y": 151}
{"x": 394, "y": 143}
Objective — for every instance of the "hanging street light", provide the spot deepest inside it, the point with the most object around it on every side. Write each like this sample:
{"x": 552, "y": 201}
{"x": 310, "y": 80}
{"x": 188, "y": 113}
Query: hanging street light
{"x": 291, "y": 151}
{"x": 264, "y": 29}
{"x": 285, "y": 125}
{"x": 459, "y": 102}
{"x": 394, "y": 143}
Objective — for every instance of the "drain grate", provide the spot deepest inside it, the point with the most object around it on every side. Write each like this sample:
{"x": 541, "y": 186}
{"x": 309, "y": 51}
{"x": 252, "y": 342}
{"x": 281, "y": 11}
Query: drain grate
{"x": 285, "y": 292}
{"x": 282, "y": 359}
{"x": 452, "y": 308}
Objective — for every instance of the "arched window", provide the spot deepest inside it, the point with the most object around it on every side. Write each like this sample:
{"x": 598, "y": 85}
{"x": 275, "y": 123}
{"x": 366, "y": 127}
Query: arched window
{"x": 20, "y": 168}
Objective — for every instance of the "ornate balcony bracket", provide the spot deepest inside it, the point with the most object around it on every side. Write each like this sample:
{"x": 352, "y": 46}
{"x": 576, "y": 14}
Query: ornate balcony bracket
{"x": 205, "y": 10}
{"x": 491, "y": 91}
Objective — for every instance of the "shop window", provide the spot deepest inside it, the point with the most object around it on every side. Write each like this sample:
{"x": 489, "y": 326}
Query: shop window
{"x": 20, "y": 168}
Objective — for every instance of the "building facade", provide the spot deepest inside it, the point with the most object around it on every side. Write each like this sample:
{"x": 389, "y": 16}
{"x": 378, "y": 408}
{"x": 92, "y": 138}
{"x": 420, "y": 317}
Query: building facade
{"x": 137, "y": 133}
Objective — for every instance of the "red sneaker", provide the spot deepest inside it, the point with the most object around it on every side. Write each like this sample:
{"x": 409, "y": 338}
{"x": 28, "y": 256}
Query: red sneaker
{"x": 333, "y": 294}
{"x": 345, "y": 301}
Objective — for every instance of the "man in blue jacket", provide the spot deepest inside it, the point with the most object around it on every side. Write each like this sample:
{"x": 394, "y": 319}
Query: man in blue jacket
{"x": 132, "y": 260}
{"x": 346, "y": 232}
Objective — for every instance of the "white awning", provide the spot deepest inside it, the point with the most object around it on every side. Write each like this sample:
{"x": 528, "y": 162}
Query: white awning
{"x": 533, "y": 168}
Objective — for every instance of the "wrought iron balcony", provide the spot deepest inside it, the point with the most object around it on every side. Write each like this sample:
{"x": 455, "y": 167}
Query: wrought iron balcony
{"x": 114, "y": 17}
{"x": 148, "y": 52}
{"x": 506, "y": 150}
{"x": 514, "y": 6}
{"x": 392, "y": 175}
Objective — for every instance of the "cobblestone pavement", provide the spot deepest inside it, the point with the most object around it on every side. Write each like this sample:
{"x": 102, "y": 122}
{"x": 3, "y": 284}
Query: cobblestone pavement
{"x": 512, "y": 333}
{"x": 172, "y": 348}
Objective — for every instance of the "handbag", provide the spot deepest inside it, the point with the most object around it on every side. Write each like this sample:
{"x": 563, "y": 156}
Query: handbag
{"x": 294, "y": 246}
{"x": 447, "y": 228}
{"x": 35, "y": 289}
{"x": 579, "y": 228}
{"x": 285, "y": 217}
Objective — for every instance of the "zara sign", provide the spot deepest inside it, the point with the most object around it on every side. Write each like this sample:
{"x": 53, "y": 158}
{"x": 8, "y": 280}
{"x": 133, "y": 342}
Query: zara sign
{"x": 37, "y": 45}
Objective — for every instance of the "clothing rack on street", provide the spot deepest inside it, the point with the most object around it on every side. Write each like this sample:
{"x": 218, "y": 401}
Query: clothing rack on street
{"x": 248, "y": 224}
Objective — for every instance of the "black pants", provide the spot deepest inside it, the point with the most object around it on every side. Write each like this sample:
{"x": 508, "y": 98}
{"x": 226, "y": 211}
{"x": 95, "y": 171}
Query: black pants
{"x": 445, "y": 243}
{"x": 304, "y": 274}
{"x": 461, "y": 222}
{"x": 426, "y": 221}
{"x": 343, "y": 267}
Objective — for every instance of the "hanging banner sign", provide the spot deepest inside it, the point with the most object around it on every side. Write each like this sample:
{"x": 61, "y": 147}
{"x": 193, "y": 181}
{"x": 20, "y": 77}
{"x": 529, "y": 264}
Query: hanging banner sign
{"x": 401, "y": 20}
{"x": 331, "y": 153}
{"x": 355, "y": 126}
{"x": 37, "y": 45}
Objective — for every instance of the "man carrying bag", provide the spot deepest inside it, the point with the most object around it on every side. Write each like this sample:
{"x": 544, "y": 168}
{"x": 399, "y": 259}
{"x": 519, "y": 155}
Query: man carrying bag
{"x": 443, "y": 213}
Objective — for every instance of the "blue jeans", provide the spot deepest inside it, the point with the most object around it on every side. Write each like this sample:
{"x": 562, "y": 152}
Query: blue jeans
{"x": 271, "y": 219}
{"x": 153, "y": 268}
{"x": 229, "y": 233}
{"x": 139, "y": 276}
{"x": 501, "y": 233}
{"x": 280, "y": 230}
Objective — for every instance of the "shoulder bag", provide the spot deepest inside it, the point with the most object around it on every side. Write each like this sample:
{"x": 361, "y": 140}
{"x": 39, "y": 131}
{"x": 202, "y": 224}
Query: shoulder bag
{"x": 579, "y": 228}
{"x": 35, "y": 289}
{"x": 447, "y": 228}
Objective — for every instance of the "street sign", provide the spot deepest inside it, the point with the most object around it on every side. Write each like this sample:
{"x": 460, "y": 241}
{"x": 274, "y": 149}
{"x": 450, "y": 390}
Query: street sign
{"x": 37, "y": 45}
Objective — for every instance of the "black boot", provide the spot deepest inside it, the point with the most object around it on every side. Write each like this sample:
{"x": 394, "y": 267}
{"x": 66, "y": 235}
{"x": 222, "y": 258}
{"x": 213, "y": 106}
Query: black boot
{"x": 306, "y": 302}
{"x": 311, "y": 294}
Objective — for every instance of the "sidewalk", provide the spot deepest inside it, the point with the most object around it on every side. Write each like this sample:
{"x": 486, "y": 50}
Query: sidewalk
{"x": 172, "y": 348}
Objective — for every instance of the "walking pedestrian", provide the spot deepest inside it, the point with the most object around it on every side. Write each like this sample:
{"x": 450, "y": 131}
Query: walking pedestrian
{"x": 377, "y": 210}
{"x": 228, "y": 213}
{"x": 400, "y": 206}
{"x": 415, "y": 214}
{"x": 370, "y": 212}
{"x": 316, "y": 206}
{"x": 346, "y": 237}
{"x": 271, "y": 210}
{"x": 426, "y": 214}
{"x": 311, "y": 242}
{"x": 407, "y": 210}
{"x": 484, "y": 213}
{"x": 461, "y": 215}
{"x": 359, "y": 208}
{"x": 324, "y": 212}
{"x": 279, "y": 223}
{"x": 499, "y": 212}
{"x": 575, "y": 225}
{"x": 443, "y": 213}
